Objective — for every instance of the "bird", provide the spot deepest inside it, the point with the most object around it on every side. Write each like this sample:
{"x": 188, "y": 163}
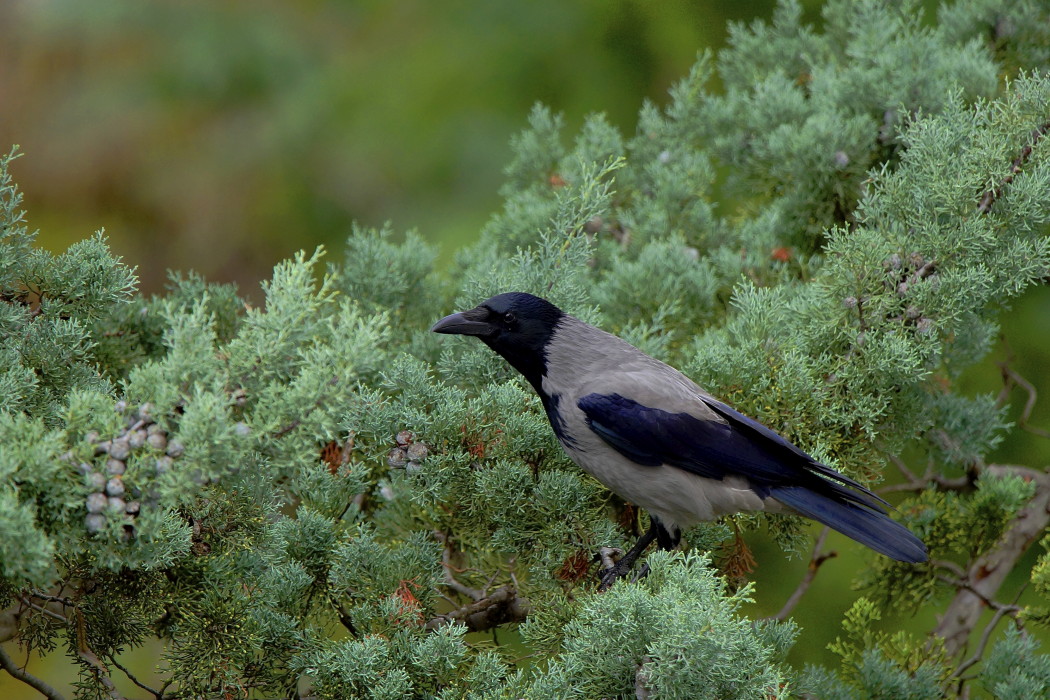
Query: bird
{"x": 655, "y": 438}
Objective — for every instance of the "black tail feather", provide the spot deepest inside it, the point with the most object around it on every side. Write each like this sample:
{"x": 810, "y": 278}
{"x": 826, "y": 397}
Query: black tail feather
{"x": 865, "y": 525}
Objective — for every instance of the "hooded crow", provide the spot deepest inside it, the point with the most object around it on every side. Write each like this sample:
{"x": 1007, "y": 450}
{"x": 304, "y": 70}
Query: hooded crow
{"x": 654, "y": 437}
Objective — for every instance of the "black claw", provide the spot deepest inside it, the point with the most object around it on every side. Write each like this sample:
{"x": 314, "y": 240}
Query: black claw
{"x": 613, "y": 574}
{"x": 623, "y": 567}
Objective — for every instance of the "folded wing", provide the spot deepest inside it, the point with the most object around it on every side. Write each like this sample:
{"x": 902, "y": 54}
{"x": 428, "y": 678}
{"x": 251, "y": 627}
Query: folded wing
{"x": 738, "y": 445}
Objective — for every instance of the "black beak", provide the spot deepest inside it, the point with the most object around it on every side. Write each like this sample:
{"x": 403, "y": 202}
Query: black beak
{"x": 463, "y": 323}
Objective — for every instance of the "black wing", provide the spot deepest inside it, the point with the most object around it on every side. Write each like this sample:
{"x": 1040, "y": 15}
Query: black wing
{"x": 742, "y": 446}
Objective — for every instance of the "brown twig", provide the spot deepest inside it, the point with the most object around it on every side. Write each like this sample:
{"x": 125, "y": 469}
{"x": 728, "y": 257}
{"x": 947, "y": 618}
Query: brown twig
{"x": 815, "y": 562}
{"x": 503, "y": 605}
{"x": 950, "y": 566}
{"x": 991, "y": 196}
{"x": 982, "y": 643}
{"x": 903, "y": 468}
{"x": 66, "y": 602}
{"x": 100, "y": 671}
{"x": 488, "y": 584}
{"x": 962, "y": 483}
{"x": 155, "y": 693}
{"x": 459, "y": 587}
{"x": 41, "y": 609}
{"x": 447, "y": 566}
{"x": 919, "y": 483}
{"x": 963, "y": 584}
{"x": 1011, "y": 375}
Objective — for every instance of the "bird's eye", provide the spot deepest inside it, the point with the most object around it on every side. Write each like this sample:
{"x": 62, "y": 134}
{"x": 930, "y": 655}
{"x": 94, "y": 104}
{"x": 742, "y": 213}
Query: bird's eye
{"x": 509, "y": 318}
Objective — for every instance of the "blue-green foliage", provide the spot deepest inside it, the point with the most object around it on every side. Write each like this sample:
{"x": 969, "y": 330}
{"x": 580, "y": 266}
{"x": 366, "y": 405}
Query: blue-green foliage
{"x": 298, "y": 492}
{"x": 1015, "y": 670}
{"x": 677, "y": 634}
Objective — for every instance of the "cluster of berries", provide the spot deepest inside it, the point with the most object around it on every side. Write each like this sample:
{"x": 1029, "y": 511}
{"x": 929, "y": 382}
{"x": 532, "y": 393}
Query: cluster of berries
{"x": 408, "y": 453}
{"x": 108, "y": 490}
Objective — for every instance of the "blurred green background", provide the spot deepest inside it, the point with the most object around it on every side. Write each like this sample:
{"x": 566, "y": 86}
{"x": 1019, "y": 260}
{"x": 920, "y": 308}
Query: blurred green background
{"x": 222, "y": 136}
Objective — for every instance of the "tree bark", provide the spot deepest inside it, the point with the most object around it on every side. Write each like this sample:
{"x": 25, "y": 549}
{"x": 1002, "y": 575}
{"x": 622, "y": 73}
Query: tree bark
{"x": 503, "y": 605}
{"x": 987, "y": 573}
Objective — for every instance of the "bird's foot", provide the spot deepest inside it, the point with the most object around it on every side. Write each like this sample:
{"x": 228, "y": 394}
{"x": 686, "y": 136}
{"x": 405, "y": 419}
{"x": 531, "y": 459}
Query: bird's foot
{"x": 618, "y": 571}
{"x": 613, "y": 574}
{"x": 608, "y": 556}
{"x": 615, "y": 570}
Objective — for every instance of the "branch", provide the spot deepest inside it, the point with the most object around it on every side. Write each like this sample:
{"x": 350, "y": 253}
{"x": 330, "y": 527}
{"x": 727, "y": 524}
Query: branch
{"x": 902, "y": 467}
{"x": 921, "y": 483}
{"x": 41, "y": 609}
{"x": 8, "y": 664}
{"x": 447, "y": 566}
{"x": 502, "y": 606}
{"x": 344, "y": 619}
{"x": 961, "y": 483}
{"x": 155, "y": 693}
{"x": 100, "y": 671}
{"x": 9, "y": 629}
{"x": 987, "y": 572}
{"x": 959, "y": 572}
{"x": 1011, "y": 375}
{"x": 455, "y": 584}
{"x": 641, "y": 679}
{"x": 815, "y": 562}
{"x": 1001, "y": 612}
{"x": 992, "y": 195}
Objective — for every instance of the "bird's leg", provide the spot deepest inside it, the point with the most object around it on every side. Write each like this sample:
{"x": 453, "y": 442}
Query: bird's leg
{"x": 667, "y": 540}
{"x": 622, "y": 567}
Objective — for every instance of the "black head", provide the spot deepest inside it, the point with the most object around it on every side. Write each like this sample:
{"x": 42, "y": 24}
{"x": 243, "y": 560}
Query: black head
{"x": 516, "y": 325}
